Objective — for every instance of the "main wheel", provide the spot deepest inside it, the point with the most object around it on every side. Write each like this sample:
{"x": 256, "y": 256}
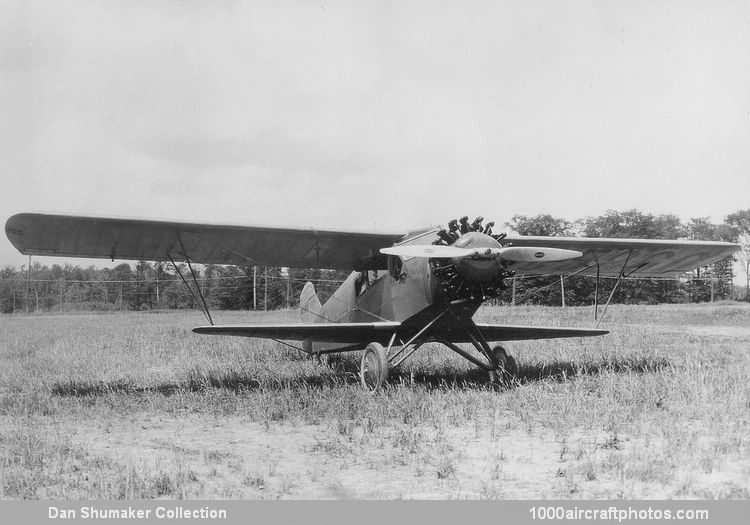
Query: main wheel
{"x": 373, "y": 371}
{"x": 506, "y": 369}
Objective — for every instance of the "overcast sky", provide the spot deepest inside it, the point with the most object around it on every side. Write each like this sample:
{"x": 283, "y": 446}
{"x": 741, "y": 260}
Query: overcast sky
{"x": 373, "y": 115}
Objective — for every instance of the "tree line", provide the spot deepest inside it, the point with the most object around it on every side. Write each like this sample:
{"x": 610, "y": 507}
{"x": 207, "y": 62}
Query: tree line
{"x": 151, "y": 286}
{"x": 147, "y": 285}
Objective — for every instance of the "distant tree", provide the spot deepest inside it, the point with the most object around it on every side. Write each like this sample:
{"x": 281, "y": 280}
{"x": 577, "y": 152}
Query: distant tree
{"x": 234, "y": 289}
{"x": 540, "y": 225}
{"x": 123, "y": 291}
{"x": 274, "y": 288}
{"x": 162, "y": 279}
{"x": 633, "y": 224}
{"x": 719, "y": 273}
{"x": 739, "y": 222}
{"x": 9, "y": 277}
{"x": 668, "y": 227}
{"x": 144, "y": 292}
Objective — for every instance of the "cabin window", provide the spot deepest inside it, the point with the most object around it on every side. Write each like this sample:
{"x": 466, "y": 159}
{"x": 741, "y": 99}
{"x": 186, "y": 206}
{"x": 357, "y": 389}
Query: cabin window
{"x": 360, "y": 283}
{"x": 364, "y": 280}
{"x": 395, "y": 267}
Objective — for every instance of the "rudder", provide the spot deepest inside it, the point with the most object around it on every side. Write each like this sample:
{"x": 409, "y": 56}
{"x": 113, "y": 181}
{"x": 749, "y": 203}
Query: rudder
{"x": 309, "y": 304}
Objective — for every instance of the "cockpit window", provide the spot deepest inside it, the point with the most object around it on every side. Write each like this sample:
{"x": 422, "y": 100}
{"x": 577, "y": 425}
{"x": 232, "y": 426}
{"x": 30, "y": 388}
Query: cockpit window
{"x": 364, "y": 280}
{"x": 395, "y": 267}
{"x": 360, "y": 283}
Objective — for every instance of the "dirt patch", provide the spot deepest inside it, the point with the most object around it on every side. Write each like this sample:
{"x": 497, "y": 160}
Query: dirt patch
{"x": 735, "y": 332}
{"x": 234, "y": 458}
{"x": 720, "y": 331}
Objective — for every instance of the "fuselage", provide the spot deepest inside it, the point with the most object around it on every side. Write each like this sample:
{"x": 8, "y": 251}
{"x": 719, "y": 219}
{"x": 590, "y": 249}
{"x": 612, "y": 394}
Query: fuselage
{"x": 414, "y": 288}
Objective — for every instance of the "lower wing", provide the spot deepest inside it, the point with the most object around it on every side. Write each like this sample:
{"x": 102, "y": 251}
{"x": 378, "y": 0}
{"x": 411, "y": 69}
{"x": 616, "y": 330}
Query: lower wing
{"x": 320, "y": 332}
{"x": 364, "y": 333}
{"x": 523, "y": 333}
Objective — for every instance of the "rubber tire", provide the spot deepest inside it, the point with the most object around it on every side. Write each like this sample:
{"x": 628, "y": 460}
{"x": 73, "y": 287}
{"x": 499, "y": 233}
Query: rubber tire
{"x": 374, "y": 369}
{"x": 507, "y": 368}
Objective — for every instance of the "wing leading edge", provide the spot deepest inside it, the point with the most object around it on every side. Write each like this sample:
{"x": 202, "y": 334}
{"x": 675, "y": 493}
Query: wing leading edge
{"x": 134, "y": 239}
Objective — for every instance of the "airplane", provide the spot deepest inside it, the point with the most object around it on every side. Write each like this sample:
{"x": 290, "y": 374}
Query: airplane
{"x": 405, "y": 288}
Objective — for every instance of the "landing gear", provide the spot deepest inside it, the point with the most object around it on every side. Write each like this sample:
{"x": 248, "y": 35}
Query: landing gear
{"x": 377, "y": 360}
{"x": 374, "y": 368}
{"x": 506, "y": 369}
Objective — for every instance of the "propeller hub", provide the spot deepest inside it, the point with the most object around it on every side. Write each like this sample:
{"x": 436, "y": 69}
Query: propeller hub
{"x": 477, "y": 268}
{"x": 476, "y": 240}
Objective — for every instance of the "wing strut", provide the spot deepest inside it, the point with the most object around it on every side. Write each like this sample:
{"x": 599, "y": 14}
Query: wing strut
{"x": 197, "y": 287}
{"x": 392, "y": 359}
{"x": 528, "y": 295}
{"x": 596, "y": 294}
{"x": 614, "y": 288}
{"x": 292, "y": 346}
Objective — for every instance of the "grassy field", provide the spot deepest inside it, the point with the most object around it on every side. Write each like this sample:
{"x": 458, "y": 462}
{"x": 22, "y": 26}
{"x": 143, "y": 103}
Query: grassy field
{"x": 134, "y": 405}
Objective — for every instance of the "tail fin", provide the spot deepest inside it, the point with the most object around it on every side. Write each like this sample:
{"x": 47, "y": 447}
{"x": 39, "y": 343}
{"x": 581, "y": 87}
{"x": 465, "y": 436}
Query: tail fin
{"x": 309, "y": 304}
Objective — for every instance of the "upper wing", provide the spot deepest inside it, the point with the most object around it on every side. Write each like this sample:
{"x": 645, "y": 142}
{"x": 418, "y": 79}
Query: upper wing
{"x": 645, "y": 258}
{"x": 322, "y": 332}
{"x": 75, "y": 236}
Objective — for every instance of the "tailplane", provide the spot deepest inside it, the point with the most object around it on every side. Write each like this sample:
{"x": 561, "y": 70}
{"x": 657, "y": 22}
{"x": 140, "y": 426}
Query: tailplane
{"x": 309, "y": 304}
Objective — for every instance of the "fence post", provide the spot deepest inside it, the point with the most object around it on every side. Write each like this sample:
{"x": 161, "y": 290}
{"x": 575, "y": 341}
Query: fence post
{"x": 562, "y": 290}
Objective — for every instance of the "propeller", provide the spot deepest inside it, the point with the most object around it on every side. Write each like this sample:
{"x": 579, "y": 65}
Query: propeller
{"x": 427, "y": 250}
{"x": 509, "y": 253}
{"x": 470, "y": 261}
{"x": 534, "y": 254}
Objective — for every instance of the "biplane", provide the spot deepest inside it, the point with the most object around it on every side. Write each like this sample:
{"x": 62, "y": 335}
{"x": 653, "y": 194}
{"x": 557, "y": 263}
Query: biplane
{"x": 405, "y": 288}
